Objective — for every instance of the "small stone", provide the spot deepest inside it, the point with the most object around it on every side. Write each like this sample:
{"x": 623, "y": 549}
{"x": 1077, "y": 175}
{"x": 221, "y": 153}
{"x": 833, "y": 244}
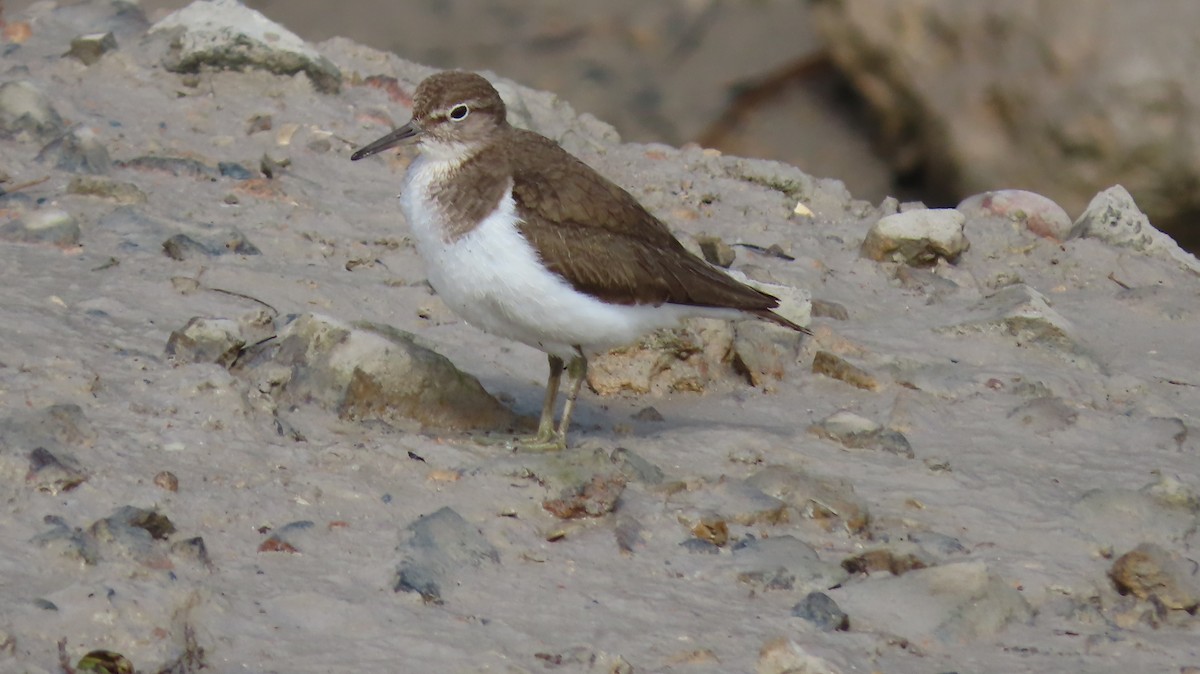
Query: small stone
{"x": 762, "y": 351}
{"x": 130, "y": 533}
{"x": 917, "y": 237}
{"x": 440, "y": 545}
{"x": 24, "y": 109}
{"x": 784, "y": 656}
{"x": 226, "y": 35}
{"x": 288, "y": 538}
{"x": 648, "y": 413}
{"x": 51, "y": 474}
{"x": 784, "y": 563}
{"x": 1038, "y": 214}
{"x": 1149, "y": 571}
{"x": 234, "y": 170}
{"x": 828, "y": 309}
{"x": 595, "y": 498}
{"x": 89, "y": 48}
{"x": 207, "y": 340}
{"x": 72, "y": 543}
{"x": 194, "y": 549}
{"x": 716, "y": 251}
{"x": 831, "y": 502}
{"x": 635, "y": 467}
{"x": 822, "y": 611}
{"x": 259, "y": 122}
{"x": 368, "y": 371}
{"x": 1044, "y": 415}
{"x": 52, "y": 226}
{"x": 630, "y": 534}
{"x": 895, "y": 558}
{"x": 79, "y": 151}
{"x": 105, "y": 662}
{"x": 1122, "y": 519}
{"x": 183, "y": 247}
{"x": 167, "y": 481}
{"x": 836, "y": 367}
{"x": 106, "y": 188}
{"x": 700, "y": 546}
{"x": 714, "y": 530}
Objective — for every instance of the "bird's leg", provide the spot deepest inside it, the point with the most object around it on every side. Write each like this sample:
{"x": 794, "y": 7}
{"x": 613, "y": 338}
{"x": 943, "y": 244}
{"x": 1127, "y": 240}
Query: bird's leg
{"x": 576, "y": 373}
{"x": 545, "y": 431}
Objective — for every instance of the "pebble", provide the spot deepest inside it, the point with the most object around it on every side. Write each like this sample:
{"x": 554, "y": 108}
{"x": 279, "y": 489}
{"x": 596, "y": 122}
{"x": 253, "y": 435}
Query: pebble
{"x": 130, "y": 533}
{"x": 51, "y": 225}
{"x": 183, "y": 246}
{"x": 834, "y": 366}
{"x": 290, "y": 538}
{"x": 917, "y": 237}
{"x": 24, "y": 109}
{"x": 822, "y": 611}
{"x": 636, "y": 467}
{"x": 368, "y": 371}
{"x": 1152, "y": 572}
{"x": 207, "y": 340}
{"x": 79, "y": 151}
{"x": 896, "y": 558}
{"x": 829, "y": 309}
{"x": 762, "y": 352}
{"x": 53, "y": 474}
{"x": 649, "y": 414}
{"x": 594, "y": 498}
{"x": 716, "y": 251}
{"x": 105, "y": 188}
{"x": 1113, "y": 217}
{"x": 784, "y": 656}
{"x": 668, "y": 361}
{"x": 856, "y": 432}
{"x": 1044, "y": 415}
{"x": 224, "y": 34}
{"x": 784, "y": 563}
{"x": 194, "y": 549}
{"x": 830, "y": 502}
{"x": 439, "y": 547}
{"x": 234, "y": 170}
{"x": 68, "y": 542}
{"x": 89, "y": 48}
{"x": 1038, "y": 214}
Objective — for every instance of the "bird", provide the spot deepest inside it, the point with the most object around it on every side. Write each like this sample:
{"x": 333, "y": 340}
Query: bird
{"x": 527, "y": 242}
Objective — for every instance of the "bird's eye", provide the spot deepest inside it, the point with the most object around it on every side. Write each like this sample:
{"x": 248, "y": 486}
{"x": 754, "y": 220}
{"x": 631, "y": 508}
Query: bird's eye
{"x": 459, "y": 112}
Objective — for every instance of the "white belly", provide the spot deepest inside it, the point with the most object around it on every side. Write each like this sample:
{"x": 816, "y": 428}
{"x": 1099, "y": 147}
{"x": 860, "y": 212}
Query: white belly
{"x": 492, "y": 278}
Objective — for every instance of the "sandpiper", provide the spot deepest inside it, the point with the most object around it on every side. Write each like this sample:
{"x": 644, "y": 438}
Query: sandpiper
{"x": 525, "y": 241}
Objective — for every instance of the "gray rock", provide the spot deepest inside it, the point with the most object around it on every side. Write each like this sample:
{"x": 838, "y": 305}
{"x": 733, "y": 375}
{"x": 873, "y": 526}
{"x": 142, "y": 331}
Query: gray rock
{"x": 368, "y": 371}
{"x": 917, "y": 237}
{"x": 762, "y": 351}
{"x": 716, "y": 251}
{"x": 78, "y": 151}
{"x": 822, "y": 611}
{"x": 951, "y": 603}
{"x": 784, "y": 563}
{"x": 829, "y": 309}
{"x": 1114, "y": 218}
{"x": 207, "y": 340}
{"x": 24, "y": 109}
{"x": 438, "y": 548}
{"x": 226, "y": 35}
{"x": 130, "y": 533}
{"x": 54, "y": 473}
{"x": 857, "y": 432}
{"x": 636, "y": 467}
{"x": 52, "y": 226}
{"x": 1024, "y": 314}
{"x": 836, "y": 367}
{"x": 831, "y": 502}
{"x": 1044, "y": 415}
{"x": 185, "y": 247}
{"x": 120, "y": 192}
{"x": 89, "y": 48}
{"x": 69, "y": 542}
{"x": 291, "y": 537}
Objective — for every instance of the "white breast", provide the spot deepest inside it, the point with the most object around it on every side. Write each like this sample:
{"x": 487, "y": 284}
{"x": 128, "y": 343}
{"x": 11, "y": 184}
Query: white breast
{"x": 493, "y": 279}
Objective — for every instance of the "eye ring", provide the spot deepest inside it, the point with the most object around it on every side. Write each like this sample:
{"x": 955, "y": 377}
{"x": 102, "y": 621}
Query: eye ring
{"x": 459, "y": 112}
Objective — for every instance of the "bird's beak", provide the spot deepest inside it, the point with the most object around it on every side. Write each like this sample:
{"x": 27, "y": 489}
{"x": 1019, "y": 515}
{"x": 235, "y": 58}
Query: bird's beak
{"x": 402, "y": 135}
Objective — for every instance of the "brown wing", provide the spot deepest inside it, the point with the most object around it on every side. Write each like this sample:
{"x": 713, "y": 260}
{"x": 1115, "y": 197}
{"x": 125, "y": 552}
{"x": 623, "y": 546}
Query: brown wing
{"x": 604, "y": 243}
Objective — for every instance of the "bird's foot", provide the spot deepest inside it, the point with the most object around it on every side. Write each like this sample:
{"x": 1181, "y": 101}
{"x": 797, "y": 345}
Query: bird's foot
{"x": 539, "y": 442}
